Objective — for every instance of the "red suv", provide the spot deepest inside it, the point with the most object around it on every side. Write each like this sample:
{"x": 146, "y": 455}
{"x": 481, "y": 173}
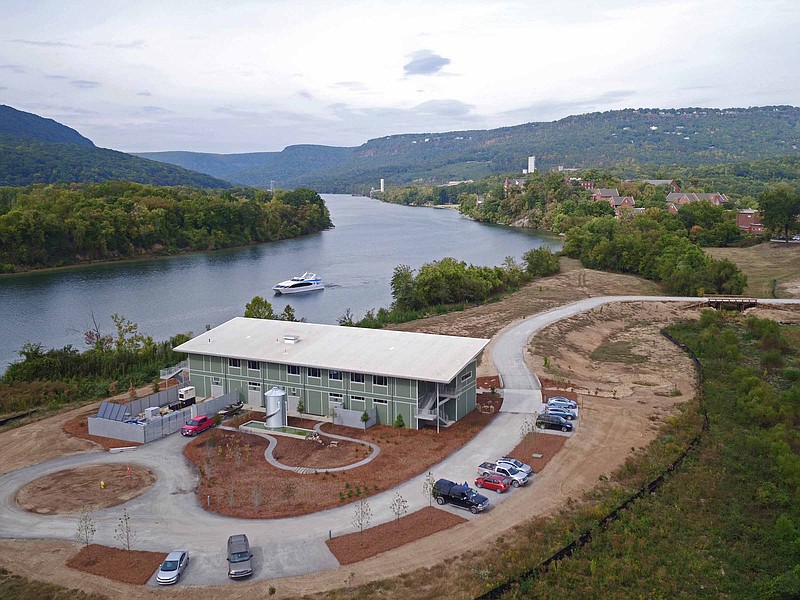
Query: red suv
{"x": 197, "y": 425}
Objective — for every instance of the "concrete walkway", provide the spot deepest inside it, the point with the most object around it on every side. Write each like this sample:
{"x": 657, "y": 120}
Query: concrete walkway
{"x": 169, "y": 515}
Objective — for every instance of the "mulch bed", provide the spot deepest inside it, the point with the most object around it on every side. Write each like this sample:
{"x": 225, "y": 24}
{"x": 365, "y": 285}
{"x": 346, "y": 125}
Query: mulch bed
{"x": 537, "y": 442}
{"x": 78, "y": 489}
{"x": 127, "y": 566}
{"x": 355, "y": 547}
{"x": 252, "y": 488}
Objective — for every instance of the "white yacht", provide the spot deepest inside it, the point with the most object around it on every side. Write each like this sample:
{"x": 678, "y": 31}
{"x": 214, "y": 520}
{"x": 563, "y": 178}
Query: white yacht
{"x": 307, "y": 282}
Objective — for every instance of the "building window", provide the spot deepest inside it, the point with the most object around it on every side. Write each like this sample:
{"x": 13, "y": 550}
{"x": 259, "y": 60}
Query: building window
{"x": 337, "y": 375}
{"x": 216, "y": 381}
{"x": 314, "y": 372}
{"x": 381, "y": 380}
{"x": 357, "y": 377}
{"x": 356, "y": 398}
{"x": 380, "y": 401}
{"x": 234, "y": 363}
{"x": 466, "y": 376}
{"x": 253, "y": 365}
{"x": 253, "y": 386}
{"x": 293, "y": 370}
{"x": 335, "y": 397}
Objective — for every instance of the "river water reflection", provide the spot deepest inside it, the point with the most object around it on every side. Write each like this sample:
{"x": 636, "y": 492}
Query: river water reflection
{"x": 177, "y": 294}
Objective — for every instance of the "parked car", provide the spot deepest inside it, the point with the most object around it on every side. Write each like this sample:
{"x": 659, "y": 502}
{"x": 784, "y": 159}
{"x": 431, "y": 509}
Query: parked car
{"x": 518, "y": 478}
{"x": 457, "y": 494}
{"x": 507, "y": 461}
{"x": 498, "y": 483}
{"x": 172, "y": 568}
{"x": 239, "y": 556}
{"x": 562, "y": 402}
{"x": 197, "y": 425}
{"x": 567, "y": 413}
{"x": 546, "y": 421}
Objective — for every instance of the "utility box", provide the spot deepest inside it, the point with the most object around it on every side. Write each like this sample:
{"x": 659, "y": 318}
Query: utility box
{"x": 152, "y": 412}
{"x": 186, "y": 396}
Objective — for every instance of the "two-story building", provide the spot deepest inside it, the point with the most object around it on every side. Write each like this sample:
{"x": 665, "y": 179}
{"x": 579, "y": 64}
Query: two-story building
{"x": 425, "y": 378}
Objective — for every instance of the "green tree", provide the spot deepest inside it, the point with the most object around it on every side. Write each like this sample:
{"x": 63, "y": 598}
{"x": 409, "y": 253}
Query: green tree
{"x": 259, "y": 308}
{"x": 399, "y": 422}
{"x": 541, "y": 262}
{"x": 780, "y": 207}
{"x": 287, "y": 314}
{"x": 403, "y": 288}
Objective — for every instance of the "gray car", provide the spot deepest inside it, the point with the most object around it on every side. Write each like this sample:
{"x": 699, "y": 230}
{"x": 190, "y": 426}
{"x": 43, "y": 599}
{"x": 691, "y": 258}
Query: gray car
{"x": 239, "y": 556}
{"x": 562, "y": 402}
{"x": 567, "y": 413}
{"x": 172, "y": 568}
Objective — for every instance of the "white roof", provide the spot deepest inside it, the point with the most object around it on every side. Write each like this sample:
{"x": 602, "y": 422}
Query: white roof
{"x": 423, "y": 356}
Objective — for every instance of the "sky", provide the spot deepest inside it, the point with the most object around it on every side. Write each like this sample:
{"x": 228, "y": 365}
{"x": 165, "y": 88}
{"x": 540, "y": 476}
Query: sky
{"x": 231, "y": 76}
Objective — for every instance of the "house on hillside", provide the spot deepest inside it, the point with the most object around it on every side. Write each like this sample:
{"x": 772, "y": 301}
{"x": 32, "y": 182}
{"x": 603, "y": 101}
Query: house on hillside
{"x": 676, "y": 200}
{"x": 513, "y": 184}
{"x": 604, "y": 194}
{"x": 749, "y": 221}
{"x": 428, "y": 379}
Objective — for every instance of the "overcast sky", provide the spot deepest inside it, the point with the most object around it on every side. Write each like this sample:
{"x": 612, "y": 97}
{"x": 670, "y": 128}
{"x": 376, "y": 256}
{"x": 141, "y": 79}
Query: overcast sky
{"x": 242, "y": 76}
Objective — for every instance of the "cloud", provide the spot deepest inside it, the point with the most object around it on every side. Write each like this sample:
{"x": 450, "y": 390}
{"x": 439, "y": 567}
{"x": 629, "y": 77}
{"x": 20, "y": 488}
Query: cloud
{"x": 353, "y": 86}
{"x": 132, "y": 45}
{"x": 305, "y": 94}
{"x": 85, "y": 84}
{"x": 444, "y": 108}
{"x": 235, "y": 112}
{"x": 153, "y": 110}
{"x": 56, "y": 77}
{"x": 13, "y": 68}
{"x": 2, "y": 87}
{"x": 425, "y": 62}
{"x": 144, "y": 93}
{"x": 45, "y": 43}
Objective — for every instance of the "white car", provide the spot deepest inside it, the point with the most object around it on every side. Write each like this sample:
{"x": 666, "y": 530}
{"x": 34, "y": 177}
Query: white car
{"x": 562, "y": 402}
{"x": 567, "y": 413}
{"x": 172, "y": 568}
{"x": 507, "y": 461}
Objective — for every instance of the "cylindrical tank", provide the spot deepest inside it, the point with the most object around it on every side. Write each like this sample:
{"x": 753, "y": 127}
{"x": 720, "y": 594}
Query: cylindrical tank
{"x": 276, "y": 412}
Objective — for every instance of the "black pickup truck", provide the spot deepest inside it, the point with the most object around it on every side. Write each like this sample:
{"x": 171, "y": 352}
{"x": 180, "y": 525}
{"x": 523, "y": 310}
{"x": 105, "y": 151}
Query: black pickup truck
{"x": 457, "y": 494}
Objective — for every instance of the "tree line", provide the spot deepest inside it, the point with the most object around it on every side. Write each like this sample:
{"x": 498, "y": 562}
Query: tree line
{"x": 54, "y": 225}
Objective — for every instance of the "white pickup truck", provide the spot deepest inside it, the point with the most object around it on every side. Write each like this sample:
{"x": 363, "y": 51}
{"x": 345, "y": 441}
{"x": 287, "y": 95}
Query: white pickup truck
{"x": 517, "y": 477}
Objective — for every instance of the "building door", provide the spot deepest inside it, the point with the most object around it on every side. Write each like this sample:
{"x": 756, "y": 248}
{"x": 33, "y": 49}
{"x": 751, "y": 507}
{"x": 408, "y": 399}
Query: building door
{"x": 383, "y": 411}
{"x": 254, "y": 396}
{"x": 216, "y": 387}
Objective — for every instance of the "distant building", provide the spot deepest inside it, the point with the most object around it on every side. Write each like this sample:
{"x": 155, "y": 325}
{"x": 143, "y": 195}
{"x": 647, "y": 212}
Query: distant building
{"x": 510, "y": 184}
{"x": 605, "y": 194}
{"x": 749, "y": 221}
{"x": 670, "y": 182}
{"x": 531, "y": 164}
{"x": 676, "y": 200}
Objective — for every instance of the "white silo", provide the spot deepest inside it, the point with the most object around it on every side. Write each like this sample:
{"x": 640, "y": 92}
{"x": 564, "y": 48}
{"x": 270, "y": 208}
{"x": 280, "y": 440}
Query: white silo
{"x": 276, "y": 408}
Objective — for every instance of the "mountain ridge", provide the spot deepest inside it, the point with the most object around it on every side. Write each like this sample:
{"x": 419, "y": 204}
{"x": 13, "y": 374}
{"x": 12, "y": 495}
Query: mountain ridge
{"x": 689, "y": 136}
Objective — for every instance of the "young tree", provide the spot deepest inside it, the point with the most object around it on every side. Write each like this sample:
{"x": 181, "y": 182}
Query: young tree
{"x": 399, "y": 422}
{"x": 259, "y": 308}
{"x": 301, "y": 407}
{"x": 86, "y": 528}
{"x": 365, "y": 418}
{"x": 124, "y": 532}
{"x": 362, "y": 517}
{"x": 288, "y": 314}
{"x": 427, "y": 487}
{"x": 346, "y": 320}
{"x": 399, "y": 507}
{"x": 780, "y": 206}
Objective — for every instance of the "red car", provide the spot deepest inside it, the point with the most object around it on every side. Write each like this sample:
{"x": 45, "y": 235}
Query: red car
{"x": 498, "y": 483}
{"x": 197, "y": 425}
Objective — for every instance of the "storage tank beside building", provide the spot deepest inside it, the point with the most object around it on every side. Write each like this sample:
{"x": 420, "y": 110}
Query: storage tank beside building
{"x": 276, "y": 408}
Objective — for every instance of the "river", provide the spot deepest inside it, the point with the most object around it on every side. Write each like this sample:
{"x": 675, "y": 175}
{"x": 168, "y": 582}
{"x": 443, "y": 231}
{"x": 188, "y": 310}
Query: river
{"x": 170, "y": 295}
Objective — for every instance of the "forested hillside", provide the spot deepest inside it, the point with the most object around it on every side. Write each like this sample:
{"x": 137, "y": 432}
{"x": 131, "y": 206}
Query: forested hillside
{"x": 38, "y": 150}
{"x": 27, "y": 125}
{"x": 631, "y": 137}
{"x": 53, "y": 225}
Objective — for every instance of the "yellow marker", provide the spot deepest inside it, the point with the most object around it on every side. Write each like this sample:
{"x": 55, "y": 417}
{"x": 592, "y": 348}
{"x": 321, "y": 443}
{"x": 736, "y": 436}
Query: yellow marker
{"x": 102, "y": 485}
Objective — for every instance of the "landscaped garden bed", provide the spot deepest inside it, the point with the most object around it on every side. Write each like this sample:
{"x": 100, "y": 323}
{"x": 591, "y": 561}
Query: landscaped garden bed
{"x": 240, "y": 482}
{"x": 127, "y": 566}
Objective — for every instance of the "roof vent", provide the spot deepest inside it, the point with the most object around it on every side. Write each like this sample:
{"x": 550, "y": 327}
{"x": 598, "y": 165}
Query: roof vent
{"x": 291, "y": 339}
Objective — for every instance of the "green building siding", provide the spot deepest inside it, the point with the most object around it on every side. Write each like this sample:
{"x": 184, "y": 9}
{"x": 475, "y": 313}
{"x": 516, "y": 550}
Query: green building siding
{"x": 401, "y": 395}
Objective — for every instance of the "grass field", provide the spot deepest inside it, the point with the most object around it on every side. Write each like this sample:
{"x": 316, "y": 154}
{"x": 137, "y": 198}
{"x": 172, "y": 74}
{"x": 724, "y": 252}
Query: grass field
{"x": 764, "y": 264}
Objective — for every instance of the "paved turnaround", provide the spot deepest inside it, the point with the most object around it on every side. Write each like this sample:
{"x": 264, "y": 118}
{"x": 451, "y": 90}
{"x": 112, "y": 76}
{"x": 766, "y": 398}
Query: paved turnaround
{"x": 169, "y": 514}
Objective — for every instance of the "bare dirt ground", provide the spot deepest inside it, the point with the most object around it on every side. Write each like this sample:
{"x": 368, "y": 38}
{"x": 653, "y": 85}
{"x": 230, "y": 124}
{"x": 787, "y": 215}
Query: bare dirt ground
{"x": 622, "y": 402}
{"x": 78, "y": 489}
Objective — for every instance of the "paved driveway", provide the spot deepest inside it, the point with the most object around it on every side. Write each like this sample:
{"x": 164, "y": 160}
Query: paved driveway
{"x": 169, "y": 515}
